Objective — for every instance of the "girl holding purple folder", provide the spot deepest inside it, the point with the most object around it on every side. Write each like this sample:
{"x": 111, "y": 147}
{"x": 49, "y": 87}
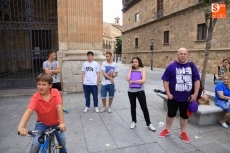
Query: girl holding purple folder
{"x": 136, "y": 78}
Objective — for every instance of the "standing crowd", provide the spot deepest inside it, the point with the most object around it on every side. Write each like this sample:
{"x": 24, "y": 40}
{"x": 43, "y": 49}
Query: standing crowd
{"x": 181, "y": 81}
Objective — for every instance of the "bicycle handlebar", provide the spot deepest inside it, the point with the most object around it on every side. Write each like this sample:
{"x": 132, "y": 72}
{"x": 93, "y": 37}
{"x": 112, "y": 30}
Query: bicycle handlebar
{"x": 34, "y": 133}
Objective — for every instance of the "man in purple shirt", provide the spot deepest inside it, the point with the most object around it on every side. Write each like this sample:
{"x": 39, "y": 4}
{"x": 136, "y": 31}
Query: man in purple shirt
{"x": 179, "y": 79}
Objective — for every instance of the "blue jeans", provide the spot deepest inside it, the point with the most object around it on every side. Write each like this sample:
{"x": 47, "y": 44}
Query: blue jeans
{"x": 225, "y": 105}
{"x": 60, "y": 136}
{"x": 105, "y": 89}
{"x": 91, "y": 89}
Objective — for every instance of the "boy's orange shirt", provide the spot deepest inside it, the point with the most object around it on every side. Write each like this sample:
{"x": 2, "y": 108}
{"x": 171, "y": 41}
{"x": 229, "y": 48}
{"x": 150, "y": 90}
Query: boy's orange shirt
{"x": 46, "y": 112}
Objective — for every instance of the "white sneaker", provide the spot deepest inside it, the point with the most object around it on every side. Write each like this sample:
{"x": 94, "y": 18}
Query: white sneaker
{"x": 151, "y": 127}
{"x": 96, "y": 109}
{"x": 109, "y": 110}
{"x": 103, "y": 110}
{"x": 224, "y": 124}
{"x": 132, "y": 126}
{"x": 86, "y": 109}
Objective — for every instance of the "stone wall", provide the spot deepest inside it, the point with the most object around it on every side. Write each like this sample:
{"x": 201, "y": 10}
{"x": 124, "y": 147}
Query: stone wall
{"x": 177, "y": 5}
{"x": 181, "y": 19}
{"x": 147, "y": 10}
{"x": 162, "y": 59}
{"x": 182, "y": 32}
{"x": 80, "y": 25}
{"x": 72, "y": 62}
{"x": 80, "y": 29}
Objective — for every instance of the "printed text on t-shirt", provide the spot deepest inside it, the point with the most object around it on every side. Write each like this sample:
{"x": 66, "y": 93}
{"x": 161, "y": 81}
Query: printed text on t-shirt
{"x": 183, "y": 79}
{"x": 89, "y": 69}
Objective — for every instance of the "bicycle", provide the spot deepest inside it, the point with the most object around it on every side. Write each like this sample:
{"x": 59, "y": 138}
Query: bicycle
{"x": 46, "y": 139}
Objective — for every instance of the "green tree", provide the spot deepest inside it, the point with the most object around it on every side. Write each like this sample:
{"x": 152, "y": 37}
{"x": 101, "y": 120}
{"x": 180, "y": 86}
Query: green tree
{"x": 210, "y": 23}
{"x": 118, "y": 46}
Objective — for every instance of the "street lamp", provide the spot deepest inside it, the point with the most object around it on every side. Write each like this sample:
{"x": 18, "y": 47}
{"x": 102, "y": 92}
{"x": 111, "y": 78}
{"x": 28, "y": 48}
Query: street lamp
{"x": 151, "y": 48}
{"x": 116, "y": 59}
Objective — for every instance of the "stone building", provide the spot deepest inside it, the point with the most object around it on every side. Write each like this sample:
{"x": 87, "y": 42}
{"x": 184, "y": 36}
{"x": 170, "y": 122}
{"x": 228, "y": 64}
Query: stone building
{"x": 173, "y": 24}
{"x": 110, "y": 32}
{"x": 29, "y": 28}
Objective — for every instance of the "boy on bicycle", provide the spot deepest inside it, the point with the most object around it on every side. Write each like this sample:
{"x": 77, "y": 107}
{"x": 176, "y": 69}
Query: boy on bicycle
{"x": 47, "y": 103}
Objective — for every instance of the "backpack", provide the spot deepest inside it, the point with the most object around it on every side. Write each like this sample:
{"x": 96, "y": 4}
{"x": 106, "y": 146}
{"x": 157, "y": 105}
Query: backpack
{"x": 218, "y": 73}
{"x": 201, "y": 88}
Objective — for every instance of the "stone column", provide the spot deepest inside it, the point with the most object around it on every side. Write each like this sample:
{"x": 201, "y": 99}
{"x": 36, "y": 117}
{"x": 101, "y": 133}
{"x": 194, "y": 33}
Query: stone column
{"x": 80, "y": 29}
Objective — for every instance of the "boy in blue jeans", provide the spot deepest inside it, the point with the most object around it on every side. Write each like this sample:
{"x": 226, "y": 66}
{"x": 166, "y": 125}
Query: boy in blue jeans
{"x": 90, "y": 81}
{"x": 47, "y": 103}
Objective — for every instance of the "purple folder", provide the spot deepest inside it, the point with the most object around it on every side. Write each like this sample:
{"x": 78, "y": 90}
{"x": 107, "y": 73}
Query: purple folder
{"x": 135, "y": 75}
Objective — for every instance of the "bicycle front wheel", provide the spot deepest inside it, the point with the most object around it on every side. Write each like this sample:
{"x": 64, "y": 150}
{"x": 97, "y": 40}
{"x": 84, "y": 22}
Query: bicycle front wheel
{"x": 52, "y": 145}
{"x": 54, "y": 150}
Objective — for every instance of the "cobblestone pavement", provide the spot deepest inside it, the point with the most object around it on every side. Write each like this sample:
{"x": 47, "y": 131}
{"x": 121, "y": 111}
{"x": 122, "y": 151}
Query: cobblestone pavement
{"x": 109, "y": 132}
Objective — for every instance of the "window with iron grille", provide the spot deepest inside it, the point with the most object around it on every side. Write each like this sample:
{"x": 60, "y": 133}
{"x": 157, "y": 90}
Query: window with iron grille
{"x": 201, "y": 31}
{"x": 107, "y": 44}
{"x": 136, "y": 17}
{"x": 104, "y": 45}
{"x": 160, "y": 8}
{"x": 136, "y": 42}
{"x": 166, "y": 37}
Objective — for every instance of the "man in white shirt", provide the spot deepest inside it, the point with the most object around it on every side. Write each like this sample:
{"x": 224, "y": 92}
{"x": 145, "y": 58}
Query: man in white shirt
{"x": 90, "y": 81}
{"x": 109, "y": 71}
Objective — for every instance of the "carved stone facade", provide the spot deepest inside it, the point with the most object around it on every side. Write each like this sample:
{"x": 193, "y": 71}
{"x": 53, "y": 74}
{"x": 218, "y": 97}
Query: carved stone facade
{"x": 72, "y": 61}
{"x": 29, "y": 28}
{"x": 80, "y": 29}
{"x": 181, "y": 20}
{"x": 110, "y": 32}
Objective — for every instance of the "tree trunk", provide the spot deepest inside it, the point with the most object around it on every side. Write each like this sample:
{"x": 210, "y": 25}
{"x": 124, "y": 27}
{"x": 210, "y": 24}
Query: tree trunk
{"x": 212, "y": 23}
{"x": 207, "y": 50}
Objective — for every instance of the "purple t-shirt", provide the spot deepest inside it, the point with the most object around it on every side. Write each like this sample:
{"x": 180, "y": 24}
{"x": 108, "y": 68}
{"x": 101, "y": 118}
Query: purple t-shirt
{"x": 180, "y": 80}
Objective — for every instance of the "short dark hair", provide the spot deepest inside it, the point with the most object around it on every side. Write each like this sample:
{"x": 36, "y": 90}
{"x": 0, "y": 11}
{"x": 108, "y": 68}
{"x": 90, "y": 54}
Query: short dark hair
{"x": 90, "y": 52}
{"x": 225, "y": 60}
{"x": 139, "y": 61}
{"x": 50, "y": 52}
{"x": 109, "y": 52}
{"x": 45, "y": 77}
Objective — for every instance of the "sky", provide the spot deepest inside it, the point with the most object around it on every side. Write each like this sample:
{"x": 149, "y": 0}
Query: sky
{"x": 112, "y": 9}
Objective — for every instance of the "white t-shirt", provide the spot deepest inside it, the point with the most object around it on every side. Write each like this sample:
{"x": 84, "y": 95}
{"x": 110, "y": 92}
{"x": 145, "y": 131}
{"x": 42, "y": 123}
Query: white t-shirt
{"x": 52, "y": 66}
{"x": 109, "y": 68}
{"x": 90, "y": 69}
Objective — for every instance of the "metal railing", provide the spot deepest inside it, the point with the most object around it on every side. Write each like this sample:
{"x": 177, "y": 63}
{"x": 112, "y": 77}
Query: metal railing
{"x": 28, "y": 29}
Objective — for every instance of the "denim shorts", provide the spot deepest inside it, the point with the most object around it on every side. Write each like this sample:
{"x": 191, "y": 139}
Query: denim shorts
{"x": 223, "y": 104}
{"x": 107, "y": 88}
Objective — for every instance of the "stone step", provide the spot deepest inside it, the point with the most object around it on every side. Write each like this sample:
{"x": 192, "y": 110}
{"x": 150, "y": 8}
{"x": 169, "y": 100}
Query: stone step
{"x": 206, "y": 114}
